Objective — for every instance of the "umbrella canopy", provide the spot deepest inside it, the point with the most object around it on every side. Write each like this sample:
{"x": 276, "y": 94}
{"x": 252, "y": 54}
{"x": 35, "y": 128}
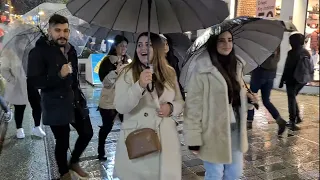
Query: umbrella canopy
{"x": 101, "y": 33}
{"x": 255, "y": 39}
{"x": 167, "y": 16}
{"x": 44, "y": 11}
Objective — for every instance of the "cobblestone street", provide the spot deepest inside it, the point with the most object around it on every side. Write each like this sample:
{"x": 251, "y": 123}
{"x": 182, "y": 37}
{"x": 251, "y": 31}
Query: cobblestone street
{"x": 291, "y": 158}
{"x": 294, "y": 157}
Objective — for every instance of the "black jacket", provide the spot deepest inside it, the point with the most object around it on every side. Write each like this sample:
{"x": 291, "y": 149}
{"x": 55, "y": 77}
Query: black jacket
{"x": 57, "y": 94}
{"x": 294, "y": 56}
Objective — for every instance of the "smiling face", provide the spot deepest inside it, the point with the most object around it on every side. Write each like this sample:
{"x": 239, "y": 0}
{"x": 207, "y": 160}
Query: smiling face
{"x": 225, "y": 43}
{"x": 142, "y": 50}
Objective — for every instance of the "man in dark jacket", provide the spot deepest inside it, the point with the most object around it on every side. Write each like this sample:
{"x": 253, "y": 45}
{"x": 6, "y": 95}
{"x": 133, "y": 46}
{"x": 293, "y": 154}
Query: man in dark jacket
{"x": 292, "y": 86}
{"x": 262, "y": 79}
{"x": 53, "y": 68}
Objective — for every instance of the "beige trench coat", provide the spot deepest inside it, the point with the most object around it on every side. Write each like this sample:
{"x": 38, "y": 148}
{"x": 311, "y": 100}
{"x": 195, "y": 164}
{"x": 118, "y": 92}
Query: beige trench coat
{"x": 207, "y": 114}
{"x": 140, "y": 112}
{"x": 107, "y": 91}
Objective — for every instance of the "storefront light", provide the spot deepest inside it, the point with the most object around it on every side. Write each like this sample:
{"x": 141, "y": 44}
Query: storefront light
{"x": 6, "y": 5}
{"x": 111, "y": 41}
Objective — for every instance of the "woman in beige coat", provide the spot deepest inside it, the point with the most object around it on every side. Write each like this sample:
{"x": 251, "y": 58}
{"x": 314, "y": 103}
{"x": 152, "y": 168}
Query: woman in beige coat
{"x": 139, "y": 107}
{"x": 215, "y": 112}
{"x": 109, "y": 69}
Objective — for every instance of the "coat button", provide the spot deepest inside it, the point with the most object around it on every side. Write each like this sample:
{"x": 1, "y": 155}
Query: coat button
{"x": 146, "y": 114}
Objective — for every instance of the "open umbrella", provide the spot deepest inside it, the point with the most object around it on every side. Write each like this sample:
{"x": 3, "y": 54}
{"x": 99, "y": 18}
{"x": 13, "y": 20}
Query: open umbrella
{"x": 42, "y": 13}
{"x": 255, "y": 39}
{"x": 159, "y": 16}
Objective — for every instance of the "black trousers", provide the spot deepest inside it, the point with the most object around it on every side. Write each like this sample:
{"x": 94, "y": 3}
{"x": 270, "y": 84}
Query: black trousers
{"x": 18, "y": 115}
{"x": 107, "y": 116}
{"x": 292, "y": 92}
{"x": 62, "y": 134}
{"x": 34, "y": 100}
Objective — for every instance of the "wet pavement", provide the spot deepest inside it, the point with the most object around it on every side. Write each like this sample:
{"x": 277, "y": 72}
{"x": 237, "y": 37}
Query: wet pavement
{"x": 294, "y": 157}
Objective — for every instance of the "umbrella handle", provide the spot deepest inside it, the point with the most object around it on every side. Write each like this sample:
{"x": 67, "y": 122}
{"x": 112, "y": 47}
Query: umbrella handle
{"x": 150, "y": 89}
{"x": 256, "y": 105}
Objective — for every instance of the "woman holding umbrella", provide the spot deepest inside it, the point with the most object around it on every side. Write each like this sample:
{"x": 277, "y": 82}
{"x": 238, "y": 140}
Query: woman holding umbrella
{"x": 141, "y": 110}
{"x": 215, "y": 111}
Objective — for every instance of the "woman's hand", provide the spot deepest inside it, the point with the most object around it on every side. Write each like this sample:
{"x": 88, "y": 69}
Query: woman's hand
{"x": 119, "y": 68}
{"x": 165, "y": 110}
{"x": 253, "y": 98}
{"x": 145, "y": 78}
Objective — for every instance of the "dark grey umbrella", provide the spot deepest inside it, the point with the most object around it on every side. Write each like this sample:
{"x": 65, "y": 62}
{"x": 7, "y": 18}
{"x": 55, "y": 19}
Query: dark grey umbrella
{"x": 167, "y": 16}
{"x": 101, "y": 33}
{"x": 255, "y": 39}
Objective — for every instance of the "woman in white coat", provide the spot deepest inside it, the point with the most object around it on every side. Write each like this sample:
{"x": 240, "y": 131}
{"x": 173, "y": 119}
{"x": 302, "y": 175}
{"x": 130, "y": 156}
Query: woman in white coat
{"x": 140, "y": 111}
{"x": 215, "y": 112}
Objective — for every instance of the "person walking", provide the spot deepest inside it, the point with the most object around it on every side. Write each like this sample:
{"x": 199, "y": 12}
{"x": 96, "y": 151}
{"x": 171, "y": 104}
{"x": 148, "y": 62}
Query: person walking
{"x": 16, "y": 90}
{"x": 53, "y": 68}
{"x": 289, "y": 77}
{"x": 215, "y": 126}
{"x": 139, "y": 106}
{"x": 262, "y": 78}
{"x": 109, "y": 69}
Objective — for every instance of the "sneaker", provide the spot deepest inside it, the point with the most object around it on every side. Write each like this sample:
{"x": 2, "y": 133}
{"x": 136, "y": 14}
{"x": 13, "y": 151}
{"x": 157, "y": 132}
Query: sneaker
{"x": 8, "y": 116}
{"x": 20, "y": 133}
{"x": 37, "y": 131}
{"x": 78, "y": 171}
{"x": 66, "y": 176}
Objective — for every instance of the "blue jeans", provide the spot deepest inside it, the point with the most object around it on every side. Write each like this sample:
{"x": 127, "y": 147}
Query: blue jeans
{"x": 265, "y": 85}
{"x": 233, "y": 171}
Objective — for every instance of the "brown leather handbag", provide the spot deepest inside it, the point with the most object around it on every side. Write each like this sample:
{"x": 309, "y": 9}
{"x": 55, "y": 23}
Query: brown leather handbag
{"x": 142, "y": 142}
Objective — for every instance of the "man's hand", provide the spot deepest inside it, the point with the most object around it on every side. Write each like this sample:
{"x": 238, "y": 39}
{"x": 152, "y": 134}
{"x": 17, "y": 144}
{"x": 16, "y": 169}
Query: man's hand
{"x": 66, "y": 70}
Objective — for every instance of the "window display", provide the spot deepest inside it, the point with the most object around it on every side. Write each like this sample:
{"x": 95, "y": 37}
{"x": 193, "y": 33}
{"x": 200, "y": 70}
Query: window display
{"x": 312, "y": 34}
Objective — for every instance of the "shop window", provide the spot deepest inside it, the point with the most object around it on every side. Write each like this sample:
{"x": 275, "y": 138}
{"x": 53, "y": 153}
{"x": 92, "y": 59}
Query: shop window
{"x": 312, "y": 36}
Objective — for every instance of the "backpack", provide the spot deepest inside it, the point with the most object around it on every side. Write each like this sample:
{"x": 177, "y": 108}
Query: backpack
{"x": 305, "y": 69}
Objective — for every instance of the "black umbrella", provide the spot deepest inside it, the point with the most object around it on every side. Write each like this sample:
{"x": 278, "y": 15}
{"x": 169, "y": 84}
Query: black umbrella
{"x": 255, "y": 39}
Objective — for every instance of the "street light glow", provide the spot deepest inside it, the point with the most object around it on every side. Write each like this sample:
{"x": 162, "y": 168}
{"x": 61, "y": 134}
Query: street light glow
{"x": 6, "y": 5}
{"x": 41, "y": 13}
{"x": 111, "y": 41}
{"x": 7, "y": 12}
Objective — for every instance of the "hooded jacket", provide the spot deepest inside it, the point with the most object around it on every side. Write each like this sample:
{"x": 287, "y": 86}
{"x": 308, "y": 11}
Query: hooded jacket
{"x": 294, "y": 56}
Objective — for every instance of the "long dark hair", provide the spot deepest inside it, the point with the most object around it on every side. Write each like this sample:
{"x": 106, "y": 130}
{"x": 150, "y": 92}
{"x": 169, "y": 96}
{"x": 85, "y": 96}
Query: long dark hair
{"x": 227, "y": 66}
{"x": 117, "y": 40}
{"x": 171, "y": 58}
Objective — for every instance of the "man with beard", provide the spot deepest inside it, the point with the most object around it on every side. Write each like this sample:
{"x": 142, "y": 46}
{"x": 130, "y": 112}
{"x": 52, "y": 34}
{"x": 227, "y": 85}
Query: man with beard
{"x": 53, "y": 68}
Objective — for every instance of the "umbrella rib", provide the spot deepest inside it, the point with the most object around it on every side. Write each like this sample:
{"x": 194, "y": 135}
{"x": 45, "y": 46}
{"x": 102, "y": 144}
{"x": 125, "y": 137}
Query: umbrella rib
{"x": 80, "y": 7}
{"x": 176, "y": 14}
{"x": 203, "y": 24}
{"x": 139, "y": 15}
{"x": 155, "y": 4}
{"x": 114, "y": 22}
{"x": 97, "y": 11}
{"x": 248, "y": 55}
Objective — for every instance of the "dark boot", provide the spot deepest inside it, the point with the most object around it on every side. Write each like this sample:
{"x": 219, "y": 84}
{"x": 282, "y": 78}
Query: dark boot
{"x": 299, "y": 120}
{"x": 293, "y": 126}
{"x": 281, "y": 125}
{"x": 249, "y": 125}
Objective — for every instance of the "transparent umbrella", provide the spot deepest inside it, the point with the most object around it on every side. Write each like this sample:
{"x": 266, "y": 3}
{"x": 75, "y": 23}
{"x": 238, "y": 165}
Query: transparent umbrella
{"x": 41, "y": 14}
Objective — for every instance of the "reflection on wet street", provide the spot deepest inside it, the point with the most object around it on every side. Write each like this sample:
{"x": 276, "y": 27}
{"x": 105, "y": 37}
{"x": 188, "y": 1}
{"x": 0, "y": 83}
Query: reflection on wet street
{"x": 291, "y": 158}
{"x": 294, "y": 157}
